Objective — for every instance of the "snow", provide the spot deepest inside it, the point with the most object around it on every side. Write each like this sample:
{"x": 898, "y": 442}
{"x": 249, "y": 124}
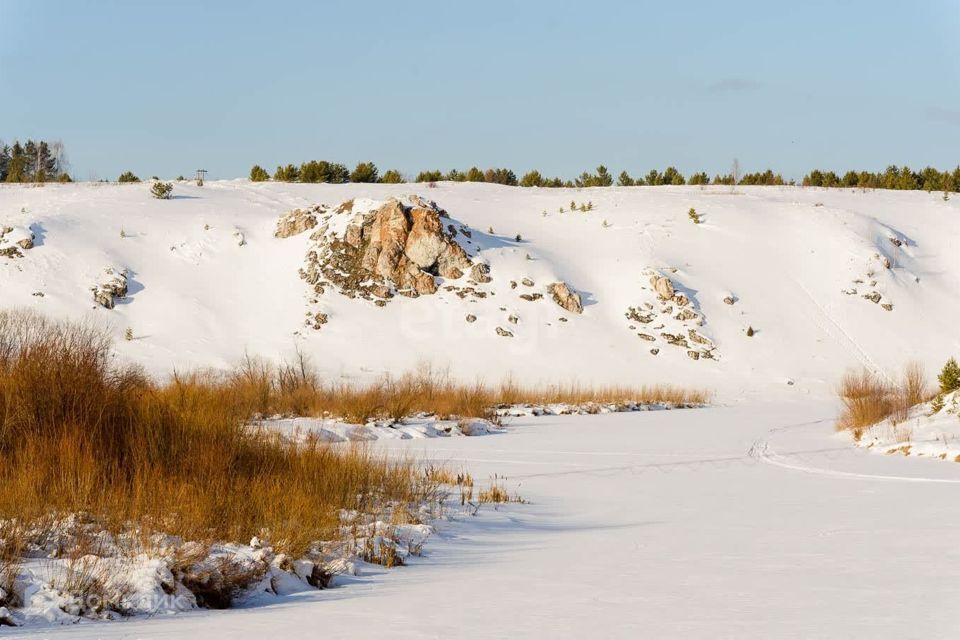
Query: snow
{"x": 752, "y": 518}
{"x": 199, "y": 298}
{"x": 651, "y": 524}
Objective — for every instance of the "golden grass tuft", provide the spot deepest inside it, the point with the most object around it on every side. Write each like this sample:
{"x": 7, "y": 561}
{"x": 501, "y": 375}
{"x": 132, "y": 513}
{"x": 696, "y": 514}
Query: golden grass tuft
{"x": 867, "y": 399}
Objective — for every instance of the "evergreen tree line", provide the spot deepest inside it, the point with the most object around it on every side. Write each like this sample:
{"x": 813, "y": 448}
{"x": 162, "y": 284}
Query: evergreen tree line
{"x": 894, "y": 177}
{"x": 323, "y": 171}
{"x": 33, "y": 161}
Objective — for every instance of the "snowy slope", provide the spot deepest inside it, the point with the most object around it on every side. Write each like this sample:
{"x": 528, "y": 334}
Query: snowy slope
{"x": 209, "y": 282}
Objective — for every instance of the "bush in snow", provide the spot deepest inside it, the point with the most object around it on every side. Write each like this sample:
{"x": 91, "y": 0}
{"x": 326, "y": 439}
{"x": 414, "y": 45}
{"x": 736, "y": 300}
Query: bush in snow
{"x": 693, "y": 215}
{"x": 128, "y": 176}
{"x": 161, "y": 190}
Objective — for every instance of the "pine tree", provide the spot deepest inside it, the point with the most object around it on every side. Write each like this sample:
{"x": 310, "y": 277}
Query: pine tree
{"x": 365, "y": 172}
{"x": 391, "y": 176}
{"x": 625, "y": 180}
{"x": 128, "y": 176}
{"x": 258, "y": 174}
{"x": 532, "y": 179}
{"x": 288, "y": 173}
{"x": 949, "y": 377}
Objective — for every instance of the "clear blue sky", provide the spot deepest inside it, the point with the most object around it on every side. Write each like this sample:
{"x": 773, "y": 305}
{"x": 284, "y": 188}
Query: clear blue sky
{"x": 165, "y": 87}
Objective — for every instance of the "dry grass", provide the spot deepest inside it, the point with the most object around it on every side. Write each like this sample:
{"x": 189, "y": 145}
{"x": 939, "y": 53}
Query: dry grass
{"x": 868, "y": 399}
{"x": 294, "y": 389}
{"x": 78, "y": 435}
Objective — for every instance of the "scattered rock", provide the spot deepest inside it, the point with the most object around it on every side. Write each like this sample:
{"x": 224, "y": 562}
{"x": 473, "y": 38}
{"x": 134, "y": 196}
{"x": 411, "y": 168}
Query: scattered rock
{"x": 647, "y": 337}
{"x": 750, "y": 332}
{"x": 566, "y": 298}
{"x": 729, "y": 299}
{"x": 530, "y": 297}
{"x": 699, "y": 339}
{"x": 562, "y": 319}
{"x": 888, "y": 306}
{"x": 471, "y": 318}
{"x": 38, "y": 294}
{"x": 527, "y": 282}
{"x": 318, "y": 319}
{"x": 694, "y": 355}
{"x": 513, "y": 319}
{"x": 654, "y": 351}
{"x": 681, "y": 300}
{"x": 504, "y": 332}
{"x": 873, "y": 296}
{"x": 638, "y": 316}
{"x": 480, "y": 273}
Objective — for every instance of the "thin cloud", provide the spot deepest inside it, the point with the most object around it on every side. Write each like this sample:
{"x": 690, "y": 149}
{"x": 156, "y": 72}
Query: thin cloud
{"x": 733, "y": 85}
{"x": 948, "y": 116}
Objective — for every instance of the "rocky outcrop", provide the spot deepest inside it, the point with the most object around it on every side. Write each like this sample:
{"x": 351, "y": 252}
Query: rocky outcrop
{"x": 563, "y": 296}
{"x": 297, "y": 221}
{"x": 397, "y": 248}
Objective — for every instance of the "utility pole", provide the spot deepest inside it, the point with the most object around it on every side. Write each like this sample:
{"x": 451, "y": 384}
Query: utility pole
{"x": 201, "y": 174}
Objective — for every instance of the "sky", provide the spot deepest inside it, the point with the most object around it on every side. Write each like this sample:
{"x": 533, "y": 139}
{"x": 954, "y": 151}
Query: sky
{"x": 164, "y": 88}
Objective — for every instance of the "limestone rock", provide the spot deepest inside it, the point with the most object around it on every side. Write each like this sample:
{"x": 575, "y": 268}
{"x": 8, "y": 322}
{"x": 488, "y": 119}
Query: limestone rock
{"x": 563, "y": 296}
{"x": 663, "y": 287}
{"x": 296, "y": 222}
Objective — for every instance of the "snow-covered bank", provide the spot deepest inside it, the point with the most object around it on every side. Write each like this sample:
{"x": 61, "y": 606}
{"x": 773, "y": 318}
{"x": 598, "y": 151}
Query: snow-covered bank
{"x": 429, "y": 426}
{"x": 930, "y": 429}
{"x": 809, "y": 270}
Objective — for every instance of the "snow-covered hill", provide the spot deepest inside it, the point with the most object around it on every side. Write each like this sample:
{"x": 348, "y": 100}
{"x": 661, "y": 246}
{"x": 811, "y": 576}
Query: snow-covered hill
{"x": 826, "y": 278}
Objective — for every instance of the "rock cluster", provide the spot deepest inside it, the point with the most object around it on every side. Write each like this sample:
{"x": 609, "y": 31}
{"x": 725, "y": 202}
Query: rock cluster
{"x": 667, "y": 316}
{"x": 112, "y": 286}
{"x": 14, "y": 241}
